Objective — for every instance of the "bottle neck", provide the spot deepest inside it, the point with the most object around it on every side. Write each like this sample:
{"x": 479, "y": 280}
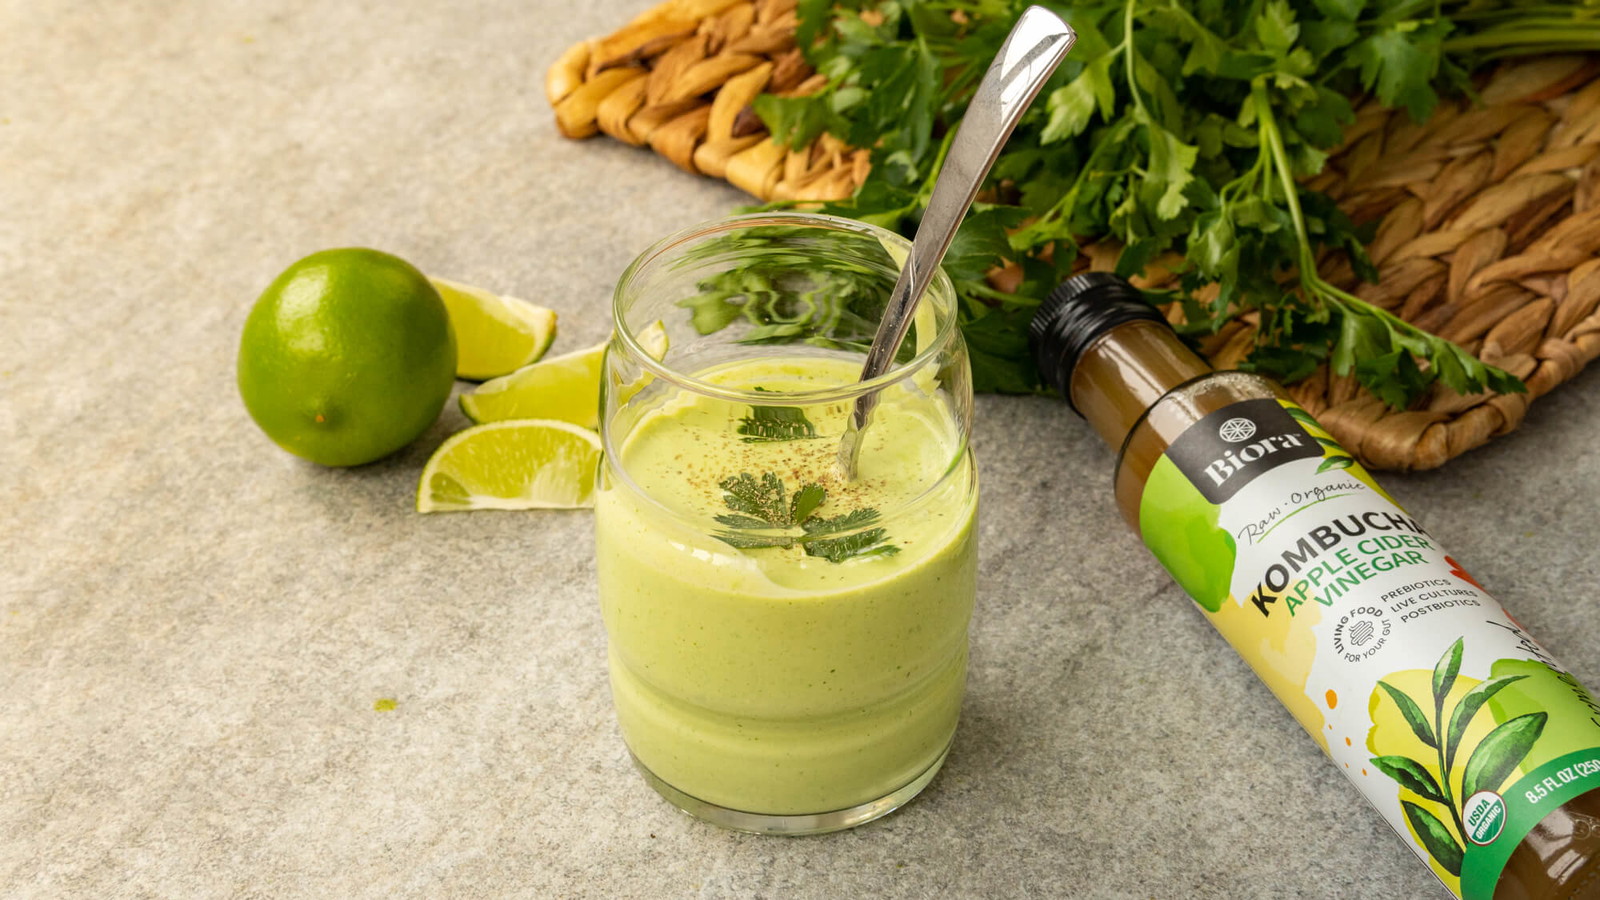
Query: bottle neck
{"x": 1125, "y": 371}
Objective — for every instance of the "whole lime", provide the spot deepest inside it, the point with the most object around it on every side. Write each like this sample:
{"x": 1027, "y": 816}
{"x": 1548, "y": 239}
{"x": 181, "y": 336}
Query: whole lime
{"x": 347, "y": 356}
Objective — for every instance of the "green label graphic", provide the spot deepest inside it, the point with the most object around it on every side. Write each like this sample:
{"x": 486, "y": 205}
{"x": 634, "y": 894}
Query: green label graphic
{"x": 1455, "y": 724}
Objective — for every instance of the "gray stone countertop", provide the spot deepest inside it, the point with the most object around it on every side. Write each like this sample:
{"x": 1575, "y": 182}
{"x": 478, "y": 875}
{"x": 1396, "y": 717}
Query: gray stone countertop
{"x": 194, "y": 626}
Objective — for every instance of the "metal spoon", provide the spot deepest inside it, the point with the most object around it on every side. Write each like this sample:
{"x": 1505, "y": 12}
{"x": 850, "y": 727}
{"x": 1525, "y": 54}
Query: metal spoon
{"x": 1033, "y": 49}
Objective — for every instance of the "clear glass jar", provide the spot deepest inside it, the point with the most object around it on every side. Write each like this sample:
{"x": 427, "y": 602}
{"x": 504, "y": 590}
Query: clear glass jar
{"x": 787, "y": 648}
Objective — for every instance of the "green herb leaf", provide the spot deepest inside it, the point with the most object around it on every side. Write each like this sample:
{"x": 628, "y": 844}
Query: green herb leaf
{"x": 806, "y": 500}
{"x": 754, "y": 541}
{"x": 1072, "y": 106}
{"x": 764, "y": 503}
{"x": 859, "y": 518}
{"x": 1411, "y": 775}
{"x": 764, "y": 500}
{"x": 1175, "y": 125}
{"x": 737, "y": 521}
{"x": 1435, "y": 836}
{"x": 1276, "y": 27}
{"x": 1171, "y": 170}
{"x": 1345, "y": 10}
{"x": 1400, "y": 62}
{"x": 767, "y": 424}
{"x": 1500, "y": 752}
{"x": 864, "y": 543}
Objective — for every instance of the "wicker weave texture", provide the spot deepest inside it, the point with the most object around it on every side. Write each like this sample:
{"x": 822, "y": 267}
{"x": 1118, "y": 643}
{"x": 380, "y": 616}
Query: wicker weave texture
{"x": 1489, "y": 213}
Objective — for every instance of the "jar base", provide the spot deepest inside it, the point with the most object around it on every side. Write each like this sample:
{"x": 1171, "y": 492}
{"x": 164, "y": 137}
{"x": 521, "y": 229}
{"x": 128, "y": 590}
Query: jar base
{"x": 793, "y": 825}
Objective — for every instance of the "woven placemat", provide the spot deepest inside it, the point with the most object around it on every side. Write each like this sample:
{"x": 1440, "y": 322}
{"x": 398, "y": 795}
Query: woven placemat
{"x": 1489, "y": 212}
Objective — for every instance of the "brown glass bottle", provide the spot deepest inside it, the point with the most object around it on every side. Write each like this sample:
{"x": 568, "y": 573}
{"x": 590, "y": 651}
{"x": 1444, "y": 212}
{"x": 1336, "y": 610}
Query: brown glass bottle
{"x": 1121, "y": 366}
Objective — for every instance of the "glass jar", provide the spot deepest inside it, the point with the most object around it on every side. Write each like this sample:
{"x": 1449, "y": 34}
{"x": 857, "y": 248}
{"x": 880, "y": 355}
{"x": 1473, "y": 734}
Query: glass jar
{"x": 787, "y": 647}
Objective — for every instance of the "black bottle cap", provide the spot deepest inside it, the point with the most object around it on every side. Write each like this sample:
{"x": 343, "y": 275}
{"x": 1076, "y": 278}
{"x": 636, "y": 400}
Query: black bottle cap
{"x": 1077, "y": 312}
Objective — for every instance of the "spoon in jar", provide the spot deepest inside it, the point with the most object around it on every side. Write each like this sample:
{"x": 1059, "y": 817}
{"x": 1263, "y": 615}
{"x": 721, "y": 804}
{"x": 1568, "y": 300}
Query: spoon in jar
{"x": 1031, "y": 52}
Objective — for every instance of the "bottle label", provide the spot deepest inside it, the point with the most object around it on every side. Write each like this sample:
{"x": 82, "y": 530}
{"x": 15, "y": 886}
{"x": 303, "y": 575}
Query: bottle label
{"x": 1455, "y": 724}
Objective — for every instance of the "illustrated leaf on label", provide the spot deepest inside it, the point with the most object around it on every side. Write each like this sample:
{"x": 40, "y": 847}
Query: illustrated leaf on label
{"x": 1336, "y": 462}
{"x": 1303, "y": 417}
{"x": 1441, "y": 844}
{"x": 1330, "y": 444}
{"x": 1467, "y": 708}
{"x": 1445, "y": 672}
{"x": 1412, "y": 713}
{"x": 1410, "y": 775}
{"x": 776, "y": 423}
{"x": 1501, "y": 751}
{"x": 765, "y": 499}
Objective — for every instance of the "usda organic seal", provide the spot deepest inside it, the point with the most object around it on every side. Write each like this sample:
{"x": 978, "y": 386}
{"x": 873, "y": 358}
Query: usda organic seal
{"x": 1484, "y": 814}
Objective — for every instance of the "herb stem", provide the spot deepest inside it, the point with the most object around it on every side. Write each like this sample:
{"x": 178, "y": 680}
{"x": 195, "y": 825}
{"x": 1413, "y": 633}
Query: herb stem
{"x": 1273, "y": 142}
{"x": 1311, "y": 281}
{"x": 1128, "y": 52}
{"x": 926, "y": 190}
{"x": 1516, "y": 39}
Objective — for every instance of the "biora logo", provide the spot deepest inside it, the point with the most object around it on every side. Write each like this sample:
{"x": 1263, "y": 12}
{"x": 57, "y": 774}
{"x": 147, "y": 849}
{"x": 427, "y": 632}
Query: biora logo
{"x": 1484, "y": 814}
{"x": 1235, "y": 430}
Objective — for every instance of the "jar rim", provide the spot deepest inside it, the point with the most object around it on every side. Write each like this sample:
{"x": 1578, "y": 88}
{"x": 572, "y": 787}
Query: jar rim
{"x": 939, "y": 288}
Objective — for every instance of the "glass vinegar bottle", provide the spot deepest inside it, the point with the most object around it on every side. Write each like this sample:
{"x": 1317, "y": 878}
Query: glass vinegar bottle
{"x": 1481, "y": 751}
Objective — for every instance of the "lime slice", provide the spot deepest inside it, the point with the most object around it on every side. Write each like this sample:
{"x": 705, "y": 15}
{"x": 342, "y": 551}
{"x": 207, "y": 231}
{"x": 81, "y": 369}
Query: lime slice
{"x": 653, "y": 340}
{"x": 565, "y": 387}
{"x": 538, "y": 464}
{"x": 495, "y": 335}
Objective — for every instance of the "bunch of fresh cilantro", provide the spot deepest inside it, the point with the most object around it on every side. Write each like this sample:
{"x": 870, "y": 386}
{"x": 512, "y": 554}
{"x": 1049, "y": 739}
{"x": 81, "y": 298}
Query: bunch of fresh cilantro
{"x": 1178, "y": 125}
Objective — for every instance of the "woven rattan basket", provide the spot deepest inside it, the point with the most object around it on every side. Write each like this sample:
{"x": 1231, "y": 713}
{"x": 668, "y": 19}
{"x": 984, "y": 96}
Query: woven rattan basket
{"x": 1490, "y": 213}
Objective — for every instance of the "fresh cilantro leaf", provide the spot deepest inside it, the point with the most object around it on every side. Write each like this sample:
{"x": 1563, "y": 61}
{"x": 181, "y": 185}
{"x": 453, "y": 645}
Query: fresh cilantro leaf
{"x": 760, "y": 503}
{"x": 1276, "y": 27}
{"x": 1072, "y": 105}
{"x": 859, "y": 518}
{"x": 864, "y": 543}
{"x": 743, "y": 541}
{"x": 806, "y": 501}
{"x": 776, "y": 423}
{"x": 794, "y": 121}
{"x": 738, "y": 521}
{"x": 763, "y": 499}
{"x": 1340, "y": 10}
{"x": 870, "y": 542}
{"x": 1175, "y": 125}
{"x": 1399, "y": 63}
{"x": 1171, "y": 169}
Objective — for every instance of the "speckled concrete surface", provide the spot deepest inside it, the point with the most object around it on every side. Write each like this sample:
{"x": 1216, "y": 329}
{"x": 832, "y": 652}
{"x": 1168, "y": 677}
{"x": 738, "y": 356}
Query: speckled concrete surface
{"x": 194, "y": 627}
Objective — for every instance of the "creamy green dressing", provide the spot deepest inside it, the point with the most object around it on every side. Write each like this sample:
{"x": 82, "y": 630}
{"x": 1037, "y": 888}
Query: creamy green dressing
{"x": 766, "y": 680}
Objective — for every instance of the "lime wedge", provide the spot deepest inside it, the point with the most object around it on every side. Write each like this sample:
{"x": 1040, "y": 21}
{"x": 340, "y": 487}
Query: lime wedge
{"x": 495, "y": 335}
{"x": 538, "y": 464}
{"x": 565, "y": 387}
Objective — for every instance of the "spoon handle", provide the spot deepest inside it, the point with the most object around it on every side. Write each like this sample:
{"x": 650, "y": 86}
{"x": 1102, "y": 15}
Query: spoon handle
{"x": 1031, "y": 52}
